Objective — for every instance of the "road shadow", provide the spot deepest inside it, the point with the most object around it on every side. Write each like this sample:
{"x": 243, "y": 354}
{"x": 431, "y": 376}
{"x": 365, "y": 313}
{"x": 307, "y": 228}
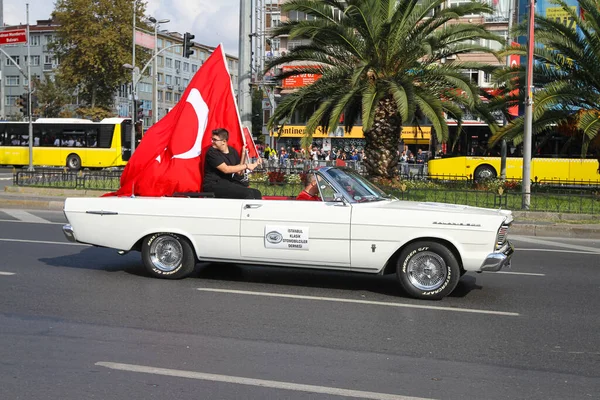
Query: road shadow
{"x": 100, "y": 259}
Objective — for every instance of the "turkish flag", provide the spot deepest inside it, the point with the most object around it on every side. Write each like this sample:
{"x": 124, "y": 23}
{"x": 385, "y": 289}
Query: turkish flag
{"x": 170, "y": 157}
{"x": 250, "y": 145}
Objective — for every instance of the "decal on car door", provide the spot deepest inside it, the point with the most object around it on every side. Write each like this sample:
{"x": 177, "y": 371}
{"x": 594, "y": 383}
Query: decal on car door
{"x": 286, "y": 237}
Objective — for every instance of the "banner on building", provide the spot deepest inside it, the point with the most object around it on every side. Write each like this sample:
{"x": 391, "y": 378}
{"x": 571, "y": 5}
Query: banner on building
{"x": 144, "y": 39}
{"x": 299, "y": 80}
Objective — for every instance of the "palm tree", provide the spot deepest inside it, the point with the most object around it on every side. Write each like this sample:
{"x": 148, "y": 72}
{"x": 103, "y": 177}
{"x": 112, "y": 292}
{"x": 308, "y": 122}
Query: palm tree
{"x": 382, "y": 62}
{"x": 566, "y": 76}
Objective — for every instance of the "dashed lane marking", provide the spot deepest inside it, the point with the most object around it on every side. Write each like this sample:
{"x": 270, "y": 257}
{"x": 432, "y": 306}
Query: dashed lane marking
{"x": 239, "y": 380}
{"x": 6, "y": 273}
{"x": 558, "y": 251}
{"x": 514, "y": 273}
{"x": 25, "y": 216}
{"x": 377, "y": 303}
{"x": 42, "y": 242}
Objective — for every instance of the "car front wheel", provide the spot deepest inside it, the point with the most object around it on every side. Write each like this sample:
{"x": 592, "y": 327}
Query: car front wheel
{"x": 167, "y": 255}
{"x": 428, "y": 270}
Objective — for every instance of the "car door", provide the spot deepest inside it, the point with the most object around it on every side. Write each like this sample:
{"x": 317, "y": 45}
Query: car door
{"x": 297, "y": 232}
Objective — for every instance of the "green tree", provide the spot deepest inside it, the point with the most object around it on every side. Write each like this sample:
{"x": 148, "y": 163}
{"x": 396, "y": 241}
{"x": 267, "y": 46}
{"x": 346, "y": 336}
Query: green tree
{"x": 93, "y": 41}
{"x": 566, "y": 79}
{"x": 52, "y": 96}
{"x": 382, "y": 62}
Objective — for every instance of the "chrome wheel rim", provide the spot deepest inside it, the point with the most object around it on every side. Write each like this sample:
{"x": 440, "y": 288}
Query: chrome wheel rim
{"x": 427, "y": 271}
{"x": 485, "y": 173}
{"x": 166, "y": 253}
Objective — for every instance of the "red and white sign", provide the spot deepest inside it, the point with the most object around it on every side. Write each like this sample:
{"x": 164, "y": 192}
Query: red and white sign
{"x": 13, "y": 37}
{"x": 299, "y": 80}
{"x": 145, "y": 40}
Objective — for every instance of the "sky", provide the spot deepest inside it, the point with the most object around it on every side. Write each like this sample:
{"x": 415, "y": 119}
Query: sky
{"x": 211, "y": 21}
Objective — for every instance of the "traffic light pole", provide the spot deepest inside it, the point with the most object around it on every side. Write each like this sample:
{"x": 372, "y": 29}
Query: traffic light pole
{"x": 30, "y": 168}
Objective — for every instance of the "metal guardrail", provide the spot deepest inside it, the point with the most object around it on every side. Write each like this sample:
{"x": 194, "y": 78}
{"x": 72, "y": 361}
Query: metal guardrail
{"x": 563, "y": 197}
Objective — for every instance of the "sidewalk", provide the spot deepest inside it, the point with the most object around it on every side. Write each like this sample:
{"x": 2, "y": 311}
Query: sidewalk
{"x": 529, "y": 223}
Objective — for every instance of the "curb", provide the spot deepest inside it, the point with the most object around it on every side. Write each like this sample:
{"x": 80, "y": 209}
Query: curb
{"x": 556, "y": 230}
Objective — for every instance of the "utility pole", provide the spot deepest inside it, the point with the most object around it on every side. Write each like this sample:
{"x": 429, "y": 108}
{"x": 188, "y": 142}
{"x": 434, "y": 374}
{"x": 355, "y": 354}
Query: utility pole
{"x": 30, "y": 168}
{"x": 2, "y": 112}
{"x": 245, "y": 58}
{"x": 503, "y": 145}
{"x": 528, "y": 109}
{"x": 133, "y": 85}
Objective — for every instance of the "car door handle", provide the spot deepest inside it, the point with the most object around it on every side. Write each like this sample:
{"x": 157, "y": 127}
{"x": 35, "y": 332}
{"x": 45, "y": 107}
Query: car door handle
{"x": 253, "y": 206}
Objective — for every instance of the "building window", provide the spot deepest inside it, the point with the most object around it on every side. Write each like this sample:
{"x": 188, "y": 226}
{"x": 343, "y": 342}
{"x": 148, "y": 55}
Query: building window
{"x": 177, "y": 80}
{"x": 35, "y": 61}
{"x": 168, "y": 79}
{"x": 186, "y": 82}
{"x": 34, "y": 40}
{"x": 177, "y": 97}
{"x": 186, "y": 67}
{"x": 16, "y": 58}
{"x": 48, "y": 39}
{"x": 275, "y": 43}
{"x": 177, "y": 64}
{"x": 161, "y": 61}
{"x": 160, "y": 95}
{"x": 159, "y": 77}
{"x": 194, "y": 68}
{"x": 169, "y": 96}
{"x": 10, "y": 100}
{"x": 13, "y": 80}
{"x": 169, "y": 62}
{"x": 159, "y": 43}
{"x": 48, "y": 59}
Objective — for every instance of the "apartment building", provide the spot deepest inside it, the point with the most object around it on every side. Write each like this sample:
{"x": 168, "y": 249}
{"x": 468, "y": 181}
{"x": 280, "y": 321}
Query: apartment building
{"x": 173, "y": 72}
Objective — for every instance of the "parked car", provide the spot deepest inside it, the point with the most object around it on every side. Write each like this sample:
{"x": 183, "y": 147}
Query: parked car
{"x": 355, "y": 227}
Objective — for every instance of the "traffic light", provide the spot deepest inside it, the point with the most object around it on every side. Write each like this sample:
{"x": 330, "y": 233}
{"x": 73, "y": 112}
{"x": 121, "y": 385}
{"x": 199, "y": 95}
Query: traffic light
{"x": 23, "y": 101}
{"x": 140, "y": 111}
{"x": 188, "y": 44}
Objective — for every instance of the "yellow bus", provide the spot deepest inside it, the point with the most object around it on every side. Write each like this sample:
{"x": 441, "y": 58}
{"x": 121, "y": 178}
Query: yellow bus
{"x": 60, "y": 142}
{"x": 556, "y": 159}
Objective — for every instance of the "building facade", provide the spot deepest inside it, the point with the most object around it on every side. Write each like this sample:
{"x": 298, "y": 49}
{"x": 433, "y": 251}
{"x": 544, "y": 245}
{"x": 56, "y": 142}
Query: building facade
{"x": 173, "y": 73}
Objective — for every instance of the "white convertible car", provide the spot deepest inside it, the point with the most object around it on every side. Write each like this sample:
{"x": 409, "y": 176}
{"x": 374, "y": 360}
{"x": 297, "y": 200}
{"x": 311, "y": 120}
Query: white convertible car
{"x": 356, "y": 227}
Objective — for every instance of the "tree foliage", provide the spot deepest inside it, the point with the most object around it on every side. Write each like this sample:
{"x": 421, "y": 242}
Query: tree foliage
{"x": 566, "y": 78}
{"x": 93, "y": 41}
{"x": 383, "y": 63}
{"x": 53, "y": 95}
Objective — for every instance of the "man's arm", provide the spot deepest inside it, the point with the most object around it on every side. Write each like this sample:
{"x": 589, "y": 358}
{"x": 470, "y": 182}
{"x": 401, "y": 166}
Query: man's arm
{"x": 233, "y": 169}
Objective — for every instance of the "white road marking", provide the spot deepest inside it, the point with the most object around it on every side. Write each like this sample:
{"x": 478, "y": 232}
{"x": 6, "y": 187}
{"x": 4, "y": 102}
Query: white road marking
{"x": 239, "y": 380}
{"x": 557, "y": 251}
{"x": 514, "y": 273}
{"x": 27, "y": 222}
{"x": 42, "y": 242}
{"x": 6, "y": 273}
{"x": 555, "y": 244}
{"x": 25, "y": 216}
{"x": 377, "y": 303}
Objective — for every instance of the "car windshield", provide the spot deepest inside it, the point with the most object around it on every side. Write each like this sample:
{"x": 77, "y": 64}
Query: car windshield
{"x": 357, "y": 187}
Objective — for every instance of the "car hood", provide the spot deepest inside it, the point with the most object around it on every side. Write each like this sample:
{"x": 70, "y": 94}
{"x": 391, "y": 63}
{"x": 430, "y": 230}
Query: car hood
{"x": 444, "y": 208}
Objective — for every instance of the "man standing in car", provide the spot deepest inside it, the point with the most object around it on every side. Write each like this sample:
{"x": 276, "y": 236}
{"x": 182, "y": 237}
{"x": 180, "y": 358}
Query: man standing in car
{"x": 223, "y": 170}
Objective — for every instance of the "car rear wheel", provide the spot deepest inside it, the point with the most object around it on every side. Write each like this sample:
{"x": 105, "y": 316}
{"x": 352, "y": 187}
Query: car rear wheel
{"x": 428, "y": 270}
{"x": 167, "y": 255}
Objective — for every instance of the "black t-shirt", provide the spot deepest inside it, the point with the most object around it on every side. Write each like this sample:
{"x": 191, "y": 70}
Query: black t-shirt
{"x": 214, "y": 158}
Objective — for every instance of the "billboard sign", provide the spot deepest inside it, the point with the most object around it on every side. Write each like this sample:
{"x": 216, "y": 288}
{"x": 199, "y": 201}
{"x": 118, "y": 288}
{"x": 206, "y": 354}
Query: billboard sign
{"x": 299, "y": 80}
{"x": 13, "y": 36}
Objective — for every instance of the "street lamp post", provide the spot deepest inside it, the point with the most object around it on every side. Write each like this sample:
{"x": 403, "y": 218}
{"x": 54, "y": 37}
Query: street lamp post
{"x": 155, "y": 68}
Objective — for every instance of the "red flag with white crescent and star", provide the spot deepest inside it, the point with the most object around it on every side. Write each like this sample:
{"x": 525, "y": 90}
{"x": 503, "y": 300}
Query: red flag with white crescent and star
{"x": 170, "y": 157}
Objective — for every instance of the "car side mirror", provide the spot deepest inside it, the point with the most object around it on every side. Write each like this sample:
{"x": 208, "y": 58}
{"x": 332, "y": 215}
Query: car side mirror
{"x": 338, "y": 197}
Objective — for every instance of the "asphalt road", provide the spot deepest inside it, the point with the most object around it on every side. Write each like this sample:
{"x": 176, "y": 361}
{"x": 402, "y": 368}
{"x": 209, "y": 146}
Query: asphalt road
{"x": 78, "y": 322}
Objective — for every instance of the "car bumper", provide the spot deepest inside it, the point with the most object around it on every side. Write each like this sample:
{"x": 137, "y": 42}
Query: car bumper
{"x": 69, "y": 233}
{"x": 499, "y": 259}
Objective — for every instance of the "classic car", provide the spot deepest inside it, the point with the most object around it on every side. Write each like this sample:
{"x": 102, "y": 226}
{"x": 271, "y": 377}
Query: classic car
{"x": 355, "y": 227}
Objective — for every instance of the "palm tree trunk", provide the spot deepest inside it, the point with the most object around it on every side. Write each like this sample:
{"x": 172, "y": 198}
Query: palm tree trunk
{"x": 382, "y": 141}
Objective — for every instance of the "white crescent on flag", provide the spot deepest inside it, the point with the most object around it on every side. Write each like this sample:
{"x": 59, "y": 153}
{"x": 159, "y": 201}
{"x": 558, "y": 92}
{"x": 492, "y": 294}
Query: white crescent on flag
{"x": 201, "y": 110}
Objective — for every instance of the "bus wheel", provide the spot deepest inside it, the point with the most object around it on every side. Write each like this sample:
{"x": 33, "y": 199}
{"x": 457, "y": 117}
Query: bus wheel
{"x": 484, "y": 172}
{"x": 73, "y": 162}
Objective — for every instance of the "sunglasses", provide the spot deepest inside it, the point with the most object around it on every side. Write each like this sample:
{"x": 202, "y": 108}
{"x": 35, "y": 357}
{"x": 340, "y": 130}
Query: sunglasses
{"x": 216, "y": 140}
